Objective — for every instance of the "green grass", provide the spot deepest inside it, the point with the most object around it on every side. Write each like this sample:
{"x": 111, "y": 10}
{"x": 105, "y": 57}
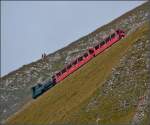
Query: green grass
{"x": 64, "y": 102}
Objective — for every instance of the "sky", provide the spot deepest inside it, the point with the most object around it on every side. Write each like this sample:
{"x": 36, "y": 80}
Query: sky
{"x": 30, "y": 28}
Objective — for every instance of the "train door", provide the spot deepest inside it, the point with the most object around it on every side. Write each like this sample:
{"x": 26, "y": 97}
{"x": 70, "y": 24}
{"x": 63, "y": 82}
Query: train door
{"x": 120, "y": 33}
{"x": 91, "y": 52}
{"x": 54, "y": 79}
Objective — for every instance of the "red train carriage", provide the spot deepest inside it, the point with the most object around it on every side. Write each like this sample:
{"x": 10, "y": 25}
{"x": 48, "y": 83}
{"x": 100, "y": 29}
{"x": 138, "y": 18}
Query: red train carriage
{"x": 77, "y": 63}
{"x": 74, "y": 65}
{"x": 110, "y": 40}
{"x": 114, "y": 37}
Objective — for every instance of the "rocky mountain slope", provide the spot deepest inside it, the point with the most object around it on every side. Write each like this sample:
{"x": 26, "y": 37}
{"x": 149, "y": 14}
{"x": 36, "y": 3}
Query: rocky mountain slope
{"x": 113, "y": 88}
{"x": 124, "y": 97}
{"x": 15, "y": 87}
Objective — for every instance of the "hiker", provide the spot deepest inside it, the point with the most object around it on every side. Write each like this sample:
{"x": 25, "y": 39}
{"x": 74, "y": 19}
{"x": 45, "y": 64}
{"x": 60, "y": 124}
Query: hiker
{"x": 44, "y": 56}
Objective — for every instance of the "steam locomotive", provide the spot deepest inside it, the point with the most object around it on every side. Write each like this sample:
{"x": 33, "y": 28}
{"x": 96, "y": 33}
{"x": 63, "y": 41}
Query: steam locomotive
{"x": 39, "y": 89}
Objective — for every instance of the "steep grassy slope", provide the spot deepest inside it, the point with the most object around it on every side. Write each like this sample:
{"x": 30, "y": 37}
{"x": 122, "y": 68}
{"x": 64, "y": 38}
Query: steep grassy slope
{"x": 65, "y": 102}
{"x": 118, "y": 100}
{"x": 15, "y": 87}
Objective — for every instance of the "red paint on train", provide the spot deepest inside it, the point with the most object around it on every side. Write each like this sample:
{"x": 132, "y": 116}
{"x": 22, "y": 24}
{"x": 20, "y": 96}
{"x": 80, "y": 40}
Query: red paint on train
{"x": 87, "y": 56}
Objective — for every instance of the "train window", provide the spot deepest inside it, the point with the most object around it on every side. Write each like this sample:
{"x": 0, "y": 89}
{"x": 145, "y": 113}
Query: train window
{"x": 80, "y": 58}
{"x": 69, "y": 66}
{"x": 96, "y": 47}
{"x": 85, "y": 55}
{"x": 102, "y": 43}
{"x": 107, "y": 39}
{"x": 113, "y": 35}
{"x": 75, "y": 62}
{"x": 118, "y": 31}
{"x": 33, "y": 88}
{"x": 39, "y": 85}
{"x": 53, "y": 76}
{"x": 91, "y": 51}
{"x": 54, "y": 80}
{"x": 121, "y": 31}
{"x": 58, "y": 74}
{"x": 64, "y": 70}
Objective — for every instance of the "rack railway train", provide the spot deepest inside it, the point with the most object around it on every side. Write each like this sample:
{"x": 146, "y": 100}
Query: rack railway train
{"x": 114, "y": 37}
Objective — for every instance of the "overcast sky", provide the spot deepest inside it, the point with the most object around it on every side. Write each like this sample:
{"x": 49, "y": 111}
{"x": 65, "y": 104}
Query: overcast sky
{"x": 29, "y": 29}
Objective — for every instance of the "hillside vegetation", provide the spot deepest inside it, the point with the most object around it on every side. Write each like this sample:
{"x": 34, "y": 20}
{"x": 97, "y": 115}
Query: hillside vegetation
{"x": 70, "y": 101}
{"x": 15, "y": 87}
